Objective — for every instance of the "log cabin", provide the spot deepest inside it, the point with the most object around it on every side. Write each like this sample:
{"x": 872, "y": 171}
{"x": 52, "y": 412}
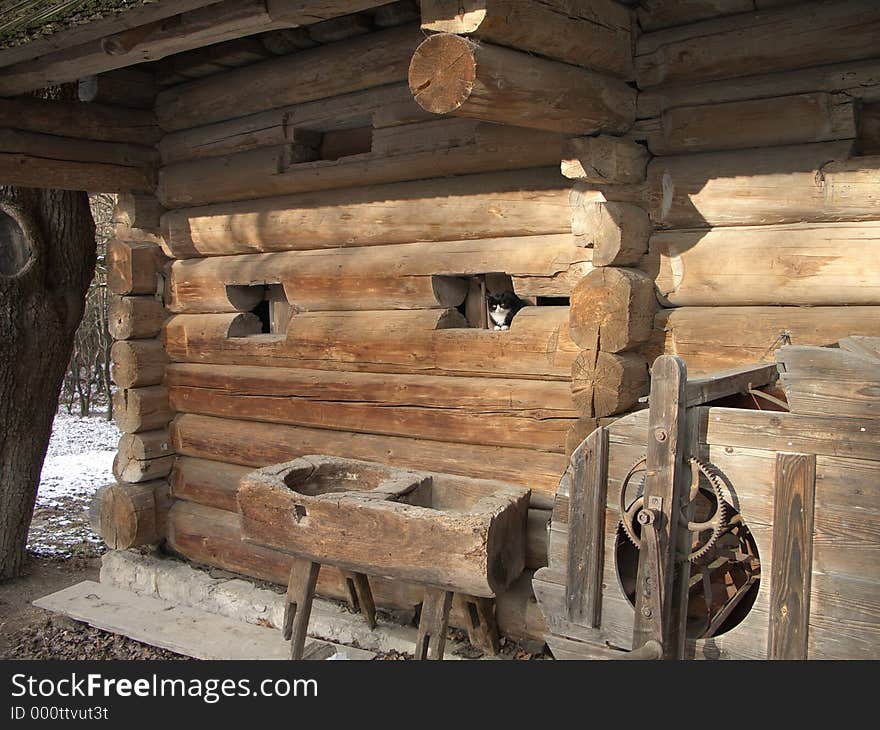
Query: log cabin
{"x": 317, "y": 197}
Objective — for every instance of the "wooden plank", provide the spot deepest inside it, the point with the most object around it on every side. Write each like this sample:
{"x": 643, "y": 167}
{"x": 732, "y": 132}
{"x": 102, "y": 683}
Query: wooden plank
{"x": 666, "y": 449}
{"x": 588, "y": 477}
{"x": 729, "y": 382}
{"x": 861, "y": 345}
{"x": 178, "y": 628}
{"x": 793, "y": 504}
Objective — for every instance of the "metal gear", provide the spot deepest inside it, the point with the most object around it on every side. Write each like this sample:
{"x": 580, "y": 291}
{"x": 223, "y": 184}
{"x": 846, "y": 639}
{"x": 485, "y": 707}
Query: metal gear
{"x": 716, "y": 522}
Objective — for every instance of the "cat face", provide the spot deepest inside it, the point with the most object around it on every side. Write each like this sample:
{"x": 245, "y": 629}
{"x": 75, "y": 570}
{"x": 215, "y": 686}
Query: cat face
{"x": 502, "y": 303}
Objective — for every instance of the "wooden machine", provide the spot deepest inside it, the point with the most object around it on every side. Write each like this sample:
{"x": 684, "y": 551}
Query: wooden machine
{"x": 691, "y": 531}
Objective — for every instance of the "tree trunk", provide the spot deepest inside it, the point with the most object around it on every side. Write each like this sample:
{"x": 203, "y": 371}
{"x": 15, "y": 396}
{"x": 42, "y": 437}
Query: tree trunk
{"x": 47, "y": 259}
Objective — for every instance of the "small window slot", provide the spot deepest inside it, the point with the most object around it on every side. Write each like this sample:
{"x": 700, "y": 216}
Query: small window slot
{"x": 310, "y": 145}
{"x": 552, "y": 301}
{"x": 267, "y": 302}
{"x": 474, "y": 308}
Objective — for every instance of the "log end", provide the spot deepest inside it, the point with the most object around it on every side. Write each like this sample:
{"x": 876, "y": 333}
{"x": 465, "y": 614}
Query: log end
{"x": 442, "y": 73}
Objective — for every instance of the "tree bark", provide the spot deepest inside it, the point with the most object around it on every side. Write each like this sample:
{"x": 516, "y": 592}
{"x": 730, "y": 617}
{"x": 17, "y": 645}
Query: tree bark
{"x": 41, "y": 303}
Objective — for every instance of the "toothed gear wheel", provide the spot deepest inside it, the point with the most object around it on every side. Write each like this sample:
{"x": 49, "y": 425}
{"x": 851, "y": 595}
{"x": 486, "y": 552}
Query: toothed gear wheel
{"x": 717, "y": 521}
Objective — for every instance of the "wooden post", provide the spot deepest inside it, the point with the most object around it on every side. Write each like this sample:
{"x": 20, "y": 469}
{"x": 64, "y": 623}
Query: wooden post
{"x": 298, "y": 606}
{"x": 479, "y": 616}
{"x": 360, "y": 597}
{"x": 431, "y": 639}
{"x": 791, "y": 571}
{"x": 656, "y": 615}
{"x": 586, "y": 529}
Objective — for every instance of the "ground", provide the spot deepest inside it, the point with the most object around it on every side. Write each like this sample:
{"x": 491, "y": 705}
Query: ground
{"x": 63, "y": 550}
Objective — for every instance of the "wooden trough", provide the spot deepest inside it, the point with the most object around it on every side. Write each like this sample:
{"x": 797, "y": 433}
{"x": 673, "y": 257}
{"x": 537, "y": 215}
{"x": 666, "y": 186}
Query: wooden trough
{"x": 371, "y": 519}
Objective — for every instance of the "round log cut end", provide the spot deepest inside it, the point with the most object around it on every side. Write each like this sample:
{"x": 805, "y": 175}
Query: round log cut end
{"x": 126, "y": 515}
{"x": 442, "y": 73}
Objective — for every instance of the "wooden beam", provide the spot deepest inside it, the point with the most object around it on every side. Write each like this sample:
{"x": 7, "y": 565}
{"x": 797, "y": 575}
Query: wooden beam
{"x": 604, "y": 160}
{"x": 124, "y": 87}
{"x": 592, "y": 33}
{"x": 149, "y": 42}
{"x": 729, "y": 382}
{"x": 337, "y": 68}
{"x": 34, "y": 171}
{"x": 587, "y": 477}
{"x": 604, "y": 383}
{"x": 83, "y": 121}
{"x": 98, "y": 28}
{"x": 453, "y": 75}
{"x": 618, "y": 233}
{"x": 792, "y": 561}
{"x": 141, "y": 409}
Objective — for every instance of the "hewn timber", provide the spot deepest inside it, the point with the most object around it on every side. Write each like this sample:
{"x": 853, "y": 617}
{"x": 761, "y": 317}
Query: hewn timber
{"x": 612, "y": 309}
{"x": 143, "y": 456}
{"x": 137, "y": 363}
{"x": 718, "y": 338}
{"x": 135, "y": 318}
{"x": 783, "y": 120}
{"x": 125, "y": 87}
{"x": 522, "y": 203}
{"x": 450, "y": 74}
{"x": 141, "y": 409}
{"x": 604, "y": 160}
{"x": 337, "y": 68}
{"x": 495, "y": 412}
{"x": 410, "y": 152}
{"x": 537, "y": 346}
{"x": 131, "y": 515}
{"x": 812, "y": 264}
{"x": 618, "y": 233}
{"x": 759, "y": 42}
{"x": 802, "y": 183}
{"x": 133, "y": 267}
{"x": 151, "y": 41}
{"x": 605, "y": 383}
{"x": 259, "y": 444}
{"x": 401, "y": 276}
{"x": 595, "y": 33}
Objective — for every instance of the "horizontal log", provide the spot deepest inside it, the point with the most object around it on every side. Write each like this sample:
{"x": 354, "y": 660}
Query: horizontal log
{"x": 537, "y": 346}
{"x": 141, "y": 409}
{"x": 149, "y": 42}
{"x": 719, "y": 338}
{"x": 137, "y": 363}
{"x": 812, "y": 264}
{"x": 259, "y": 444}
{"x": 525, "y": 202}
{"x": 785, "y": 120}
{"x": 133, "y": 266}
{"x": 409, "y": 152}
{"x": 869, "y": 129}
{"x": 209, "y": 483}
{"x": 138, "y": 211}
{"x": 125, "y": 87}
{"x": 131, "y": 515}
{"x": 144, "y": 456}
{"x": 135, "y": 318}
{"x": 859, "y": 79}
{"x": 33, "y": 171}
{"x": 405, "y": 276}
{"x": 604, "y": 383}
{"x": 275, "y": 126}
{"x": 759, "y": 42}
{"x": 604, "y": 160}
{"x": 72, "y": 149}
{"x": 617, "y": 232}
{"x": 656, "y": 14}
{"x": 81, "y": 121}
{"x": 450, "y": 74}
{"x": 612, "y": 309}
{"x": 337, "y": 68}
{"x": 802, "y": 183}
{"x": 596, "y": 33}
{"x": 213, "y": 537}
{"x": 493, "y": 412}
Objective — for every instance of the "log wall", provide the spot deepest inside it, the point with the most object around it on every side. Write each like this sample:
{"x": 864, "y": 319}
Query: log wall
{"x": 762, "y": 189}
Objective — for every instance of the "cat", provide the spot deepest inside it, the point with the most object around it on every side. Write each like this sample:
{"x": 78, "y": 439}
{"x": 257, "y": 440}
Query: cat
{"x": 502, "y": 308}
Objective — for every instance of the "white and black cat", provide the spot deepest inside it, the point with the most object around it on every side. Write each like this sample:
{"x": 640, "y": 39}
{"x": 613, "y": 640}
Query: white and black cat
{"x": 502, "y": 308}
